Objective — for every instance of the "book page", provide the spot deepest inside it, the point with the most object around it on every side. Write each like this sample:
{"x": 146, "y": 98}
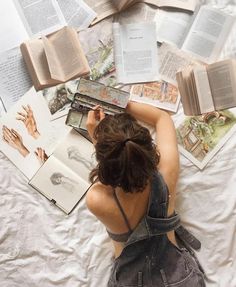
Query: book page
{"x": 201, "y": 137}
{"x": 208, "y": 33}
{"x": 40, "y": 17}
{"x": 76, "y": 13}
{"x": 172, "y": 60}
{"x": 36, "y": 62}
{"x": 158, "y": 94}
{"x": 103, "y": 8}
{"x": 135, "y": 52}
{"x": 59, "y": 183}
{"x": 204, "y": 95}
{"x": 98, "y": 48}
{"x": 12, "y": 30}
{"x": 181, "y": 4}
{"x": 139, "y": 12}
{"x": 222, "y": 79}
{"x": 14, "y": 78}
{"x": 172, "y": 26}
{"x": 64, "y": 54}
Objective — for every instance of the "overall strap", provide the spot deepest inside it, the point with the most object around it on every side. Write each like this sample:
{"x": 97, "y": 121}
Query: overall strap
{"x": 122, "y": 210}
{"x": 158, "y": 200}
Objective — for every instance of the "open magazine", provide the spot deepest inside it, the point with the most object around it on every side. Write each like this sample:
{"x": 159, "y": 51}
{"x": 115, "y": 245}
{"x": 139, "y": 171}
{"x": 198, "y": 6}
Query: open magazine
{"x": 201, "y": 137}
{"x": 64, "y": 177}
{"x": 202, "y": 34}
{"x": 105, "y": 8}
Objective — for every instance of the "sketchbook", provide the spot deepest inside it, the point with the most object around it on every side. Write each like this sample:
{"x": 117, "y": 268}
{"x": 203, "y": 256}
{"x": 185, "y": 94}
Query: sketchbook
{"x": 201, "y": 137}
{"x": 64, "y": 177}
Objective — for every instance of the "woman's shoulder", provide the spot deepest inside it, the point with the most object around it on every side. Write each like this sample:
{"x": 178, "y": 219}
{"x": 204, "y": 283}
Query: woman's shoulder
{"x": 98, "y": 199}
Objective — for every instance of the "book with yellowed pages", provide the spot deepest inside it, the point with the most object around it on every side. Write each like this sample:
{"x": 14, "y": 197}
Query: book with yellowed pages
{"x": 205, "y": 89}
{"x": 55, "y": 58}
{"x": 105, "y": 8}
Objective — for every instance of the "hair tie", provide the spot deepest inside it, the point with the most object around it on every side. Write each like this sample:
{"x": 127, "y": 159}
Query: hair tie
{"x": 125, "y": 141}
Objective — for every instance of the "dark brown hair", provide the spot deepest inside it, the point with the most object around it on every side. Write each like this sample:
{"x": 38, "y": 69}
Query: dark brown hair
{"x": 126, "y": 154}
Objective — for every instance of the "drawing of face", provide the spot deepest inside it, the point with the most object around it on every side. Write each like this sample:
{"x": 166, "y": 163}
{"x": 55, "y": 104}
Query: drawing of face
{"x": 56, "y": 178}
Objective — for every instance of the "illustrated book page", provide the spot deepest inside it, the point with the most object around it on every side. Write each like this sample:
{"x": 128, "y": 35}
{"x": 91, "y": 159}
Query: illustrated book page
{"x": 135, "y": 52}
{"x": 159, "y": 94}
{"x": 201, "y": 137}
{"x": 59, "y": 98}
{"x": 64, "y": 177}
{"x": 27, "y": 133}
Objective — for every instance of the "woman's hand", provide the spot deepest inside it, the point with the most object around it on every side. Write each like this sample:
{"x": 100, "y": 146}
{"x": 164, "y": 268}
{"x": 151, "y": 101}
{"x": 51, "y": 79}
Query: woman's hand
{"x": 94, "y": 117}
{"x": 11, "y": 137}
{"x": 27, "y": 117}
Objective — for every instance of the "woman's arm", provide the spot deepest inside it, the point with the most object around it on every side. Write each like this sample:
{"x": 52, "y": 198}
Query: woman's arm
{"x": 166, "y": 142}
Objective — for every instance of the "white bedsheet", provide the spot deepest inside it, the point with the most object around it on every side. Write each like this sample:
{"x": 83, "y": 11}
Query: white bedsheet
{"x": 41, "y": 246}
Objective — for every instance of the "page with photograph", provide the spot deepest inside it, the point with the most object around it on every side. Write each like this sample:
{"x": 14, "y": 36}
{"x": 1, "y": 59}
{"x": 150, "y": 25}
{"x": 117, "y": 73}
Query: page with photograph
{"x": 59, "y": 98}
{"x": 28, "y": 137}
{"x": 135, "y": 52}
{"x": 201, "y": 137}
{"x": 59, "y": 184}
{"x": 158, "y": 94}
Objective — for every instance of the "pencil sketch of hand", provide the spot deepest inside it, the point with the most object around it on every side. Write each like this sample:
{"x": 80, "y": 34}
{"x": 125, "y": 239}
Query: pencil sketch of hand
{"x": 41, "y": 155}
{"x": 27, "y": 117}
{"x": 14, "y": 139}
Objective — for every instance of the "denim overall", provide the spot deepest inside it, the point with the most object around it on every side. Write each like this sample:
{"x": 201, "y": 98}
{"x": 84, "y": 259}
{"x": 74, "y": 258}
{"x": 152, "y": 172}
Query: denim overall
{"x": 149, "y": 259}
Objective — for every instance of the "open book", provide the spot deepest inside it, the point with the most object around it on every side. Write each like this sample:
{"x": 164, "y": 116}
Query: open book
{"x": 135, "y": 52}
{"x": 204, "y": 89}
{"x": 202, "y": 34}
{"x": 22, "y": 20}
{"x": 105, "y": 8}
{"x": 64, "y": 177}
{"x": 55, "y": 58}
{"x": 201, "y": 137}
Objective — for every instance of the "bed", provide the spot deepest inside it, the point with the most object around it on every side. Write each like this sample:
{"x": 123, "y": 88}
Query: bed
{"x": 41, "y": 246}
